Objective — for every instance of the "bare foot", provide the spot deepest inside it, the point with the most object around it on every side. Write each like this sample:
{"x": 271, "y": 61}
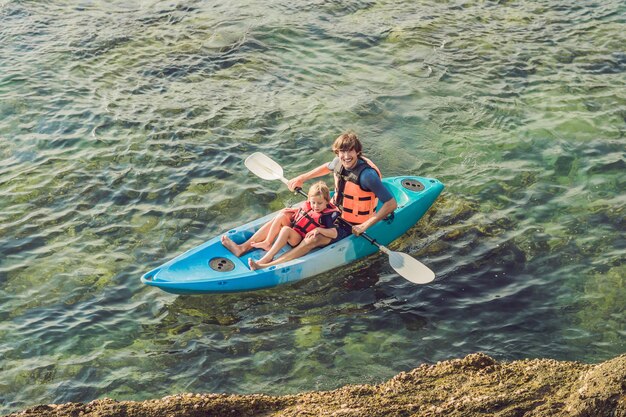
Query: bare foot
{"x": 253, "y": 264}
{"x": 265, "y": 245}
{"x": 231, "y": 246}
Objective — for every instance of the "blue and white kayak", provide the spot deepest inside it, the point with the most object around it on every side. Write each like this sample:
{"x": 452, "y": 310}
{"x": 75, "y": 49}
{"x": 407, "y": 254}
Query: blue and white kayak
{"x": 211, "y": 268}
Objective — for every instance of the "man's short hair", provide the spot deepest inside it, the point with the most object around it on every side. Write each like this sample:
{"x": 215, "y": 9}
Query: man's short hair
{"x": 347, "y": 142}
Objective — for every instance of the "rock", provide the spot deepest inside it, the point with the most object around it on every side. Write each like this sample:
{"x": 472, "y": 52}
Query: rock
{"x": 602, "y": 391}
{"x": 476, "y": 385}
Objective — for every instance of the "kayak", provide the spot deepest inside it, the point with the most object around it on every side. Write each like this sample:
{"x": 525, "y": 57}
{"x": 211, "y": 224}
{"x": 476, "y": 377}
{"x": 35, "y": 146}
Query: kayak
{"x": 211, "y": 268}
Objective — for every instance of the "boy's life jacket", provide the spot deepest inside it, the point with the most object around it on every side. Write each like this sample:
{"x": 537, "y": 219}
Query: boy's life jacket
{"x": 307, "y": 219}
{"x": 356, "y": 204}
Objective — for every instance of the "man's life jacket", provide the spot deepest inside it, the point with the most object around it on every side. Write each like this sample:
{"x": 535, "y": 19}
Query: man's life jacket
{"x": 356, "y": 204}
{"x": 307, "y": 219}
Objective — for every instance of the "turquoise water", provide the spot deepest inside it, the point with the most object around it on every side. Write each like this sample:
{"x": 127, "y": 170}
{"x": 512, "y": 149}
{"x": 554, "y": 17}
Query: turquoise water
{"x": 123, "y": 126}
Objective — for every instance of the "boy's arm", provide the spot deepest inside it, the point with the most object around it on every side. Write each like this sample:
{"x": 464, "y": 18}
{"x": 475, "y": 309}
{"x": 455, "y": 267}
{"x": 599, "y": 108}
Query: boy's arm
{"x": 327, "y": 226}
{"x": 330, "y": 233}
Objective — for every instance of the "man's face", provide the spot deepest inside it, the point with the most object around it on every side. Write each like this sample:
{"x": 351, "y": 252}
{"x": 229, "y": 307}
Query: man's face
{"x": 348, "y": 158}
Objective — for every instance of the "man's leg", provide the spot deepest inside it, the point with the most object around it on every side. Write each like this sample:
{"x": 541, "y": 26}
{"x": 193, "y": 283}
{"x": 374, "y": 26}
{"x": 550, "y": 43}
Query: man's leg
{"x": 246, "y": 246}
{"x": 263, "y": 240}
{"x": 286, "y": 235}
{"x": 306, "y": 246}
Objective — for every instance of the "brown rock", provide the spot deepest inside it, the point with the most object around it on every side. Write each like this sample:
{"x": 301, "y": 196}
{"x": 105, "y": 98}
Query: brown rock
{"x": 601, "y": 388}
{"x": 476, "y": 385}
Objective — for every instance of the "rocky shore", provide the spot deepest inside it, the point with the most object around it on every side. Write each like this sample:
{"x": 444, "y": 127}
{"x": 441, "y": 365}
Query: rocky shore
{"x": 476, "y": 385}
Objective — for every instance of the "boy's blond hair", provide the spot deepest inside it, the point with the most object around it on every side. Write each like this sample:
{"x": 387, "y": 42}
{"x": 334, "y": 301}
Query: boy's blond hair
{"x": 321, "y": 189}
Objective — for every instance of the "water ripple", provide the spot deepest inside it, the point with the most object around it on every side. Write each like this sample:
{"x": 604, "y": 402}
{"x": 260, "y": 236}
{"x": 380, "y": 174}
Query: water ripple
{"x": 123, "y": 131}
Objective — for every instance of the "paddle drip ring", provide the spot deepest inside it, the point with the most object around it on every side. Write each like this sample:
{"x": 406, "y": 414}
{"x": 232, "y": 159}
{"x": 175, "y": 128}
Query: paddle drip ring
{"x": 412, "y": 185}
{"x": 221, "y": 264}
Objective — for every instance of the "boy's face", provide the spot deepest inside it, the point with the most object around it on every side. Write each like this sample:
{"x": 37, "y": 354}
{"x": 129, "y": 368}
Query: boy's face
{"x": 348, "y": 158}
{"x": 317, "y": 202}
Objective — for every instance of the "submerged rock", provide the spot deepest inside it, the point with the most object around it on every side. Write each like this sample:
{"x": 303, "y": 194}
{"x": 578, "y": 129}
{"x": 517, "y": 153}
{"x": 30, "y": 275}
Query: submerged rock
{"x": 474, "y": 386}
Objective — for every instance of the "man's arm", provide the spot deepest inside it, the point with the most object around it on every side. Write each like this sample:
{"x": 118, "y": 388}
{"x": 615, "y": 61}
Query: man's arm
{"x": 371, "y": 181}
{"x": 298, "y": 181}
{"x": 387, "y": 208}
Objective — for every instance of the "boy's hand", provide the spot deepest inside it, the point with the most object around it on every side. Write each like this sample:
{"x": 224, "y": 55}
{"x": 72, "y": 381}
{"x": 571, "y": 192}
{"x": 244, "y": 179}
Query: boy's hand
{"x": 314, "y": 233}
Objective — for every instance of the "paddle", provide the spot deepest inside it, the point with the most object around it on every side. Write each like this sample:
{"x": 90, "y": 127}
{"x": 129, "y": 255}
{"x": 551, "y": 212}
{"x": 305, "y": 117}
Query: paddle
{"x": 405, "y": 265}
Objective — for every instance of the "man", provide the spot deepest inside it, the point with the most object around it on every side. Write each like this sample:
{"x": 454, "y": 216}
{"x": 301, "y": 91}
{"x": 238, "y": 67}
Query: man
{"x": 358, "y": 187}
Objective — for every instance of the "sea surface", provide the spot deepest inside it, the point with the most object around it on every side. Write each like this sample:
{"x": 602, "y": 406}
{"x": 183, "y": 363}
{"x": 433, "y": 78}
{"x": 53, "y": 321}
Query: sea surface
{"x": 123, "y": 128}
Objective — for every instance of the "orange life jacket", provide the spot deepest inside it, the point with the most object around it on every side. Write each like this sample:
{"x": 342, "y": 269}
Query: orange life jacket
{"x": 356, "y": 204}
{"x": 307, "y": 219}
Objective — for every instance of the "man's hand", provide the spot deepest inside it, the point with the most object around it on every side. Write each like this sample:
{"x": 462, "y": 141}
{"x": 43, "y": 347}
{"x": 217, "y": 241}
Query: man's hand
{"x": 385, "y": 210}
{"x": 359, "y": 229}
{"x": 294, "y": 183}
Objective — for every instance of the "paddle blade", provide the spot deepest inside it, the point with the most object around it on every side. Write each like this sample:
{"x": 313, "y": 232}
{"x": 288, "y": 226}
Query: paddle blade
{"x": 264, "y": 167}
{"x": 410, "y": 268}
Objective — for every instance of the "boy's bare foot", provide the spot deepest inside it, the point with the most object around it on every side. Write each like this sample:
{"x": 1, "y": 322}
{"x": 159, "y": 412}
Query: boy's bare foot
{"x": 262, "y": 245}
{"x": 253, "y": 264}
{"x": 231, "y": 246}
